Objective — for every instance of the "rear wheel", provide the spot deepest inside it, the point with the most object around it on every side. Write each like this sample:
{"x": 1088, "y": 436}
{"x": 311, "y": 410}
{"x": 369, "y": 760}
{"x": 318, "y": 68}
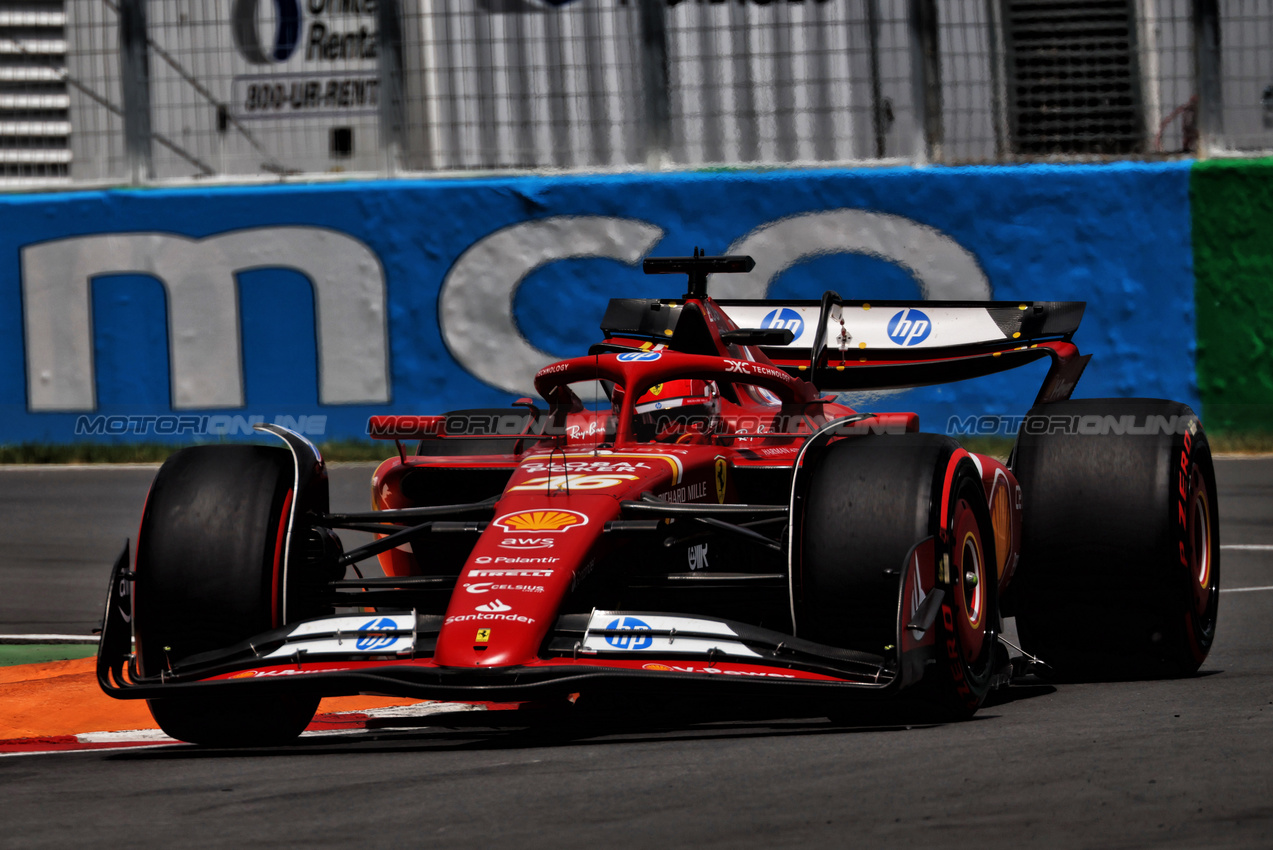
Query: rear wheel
{"x": 870, "y": 500}
{"x": 1120, "y": 561}
{"x": 210, "y": 574}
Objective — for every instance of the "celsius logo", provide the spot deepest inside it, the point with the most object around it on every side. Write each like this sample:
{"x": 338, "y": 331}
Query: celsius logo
{"x": 629, "y": 624}
{"x": 784, "y": 319}
{"x": 246, "y": 18}
{"x": 377, "y": 641}
{"x": 909, "y": 327}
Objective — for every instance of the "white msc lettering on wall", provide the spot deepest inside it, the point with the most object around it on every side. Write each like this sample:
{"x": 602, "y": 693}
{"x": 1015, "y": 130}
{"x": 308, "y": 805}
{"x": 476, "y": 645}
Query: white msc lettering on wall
{"x": 475, "y": 302}
{"x": 198, "y": 276}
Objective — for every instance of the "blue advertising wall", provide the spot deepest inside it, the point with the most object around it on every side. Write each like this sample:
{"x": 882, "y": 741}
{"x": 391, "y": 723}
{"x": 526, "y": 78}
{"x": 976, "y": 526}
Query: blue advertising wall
{"x": 1116, "y": 236}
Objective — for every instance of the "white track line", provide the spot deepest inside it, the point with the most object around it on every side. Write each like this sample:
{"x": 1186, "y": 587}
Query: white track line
{"x": 1249, "y": 547}
{"x": 1243, "y": 589}
{"x": 147, "y": 745}
{"x": 21, "y": 639}
{"x": 126, "y": 736}
{"x": 74, "y": 467}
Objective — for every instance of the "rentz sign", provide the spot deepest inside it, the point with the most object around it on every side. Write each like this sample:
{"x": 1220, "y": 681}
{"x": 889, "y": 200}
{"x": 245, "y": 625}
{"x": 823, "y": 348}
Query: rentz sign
{"x": 309, "y": 38}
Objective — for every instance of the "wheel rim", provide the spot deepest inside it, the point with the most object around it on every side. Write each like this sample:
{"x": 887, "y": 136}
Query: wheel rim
{"x": 968, "y": 577}
{"x": 1201, "y": 568}
{"x": 974, "y": 603}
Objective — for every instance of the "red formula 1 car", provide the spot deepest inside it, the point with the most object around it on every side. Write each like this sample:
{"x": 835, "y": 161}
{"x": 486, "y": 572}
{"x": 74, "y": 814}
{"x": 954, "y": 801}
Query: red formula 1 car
{"x": 686, "y": 511}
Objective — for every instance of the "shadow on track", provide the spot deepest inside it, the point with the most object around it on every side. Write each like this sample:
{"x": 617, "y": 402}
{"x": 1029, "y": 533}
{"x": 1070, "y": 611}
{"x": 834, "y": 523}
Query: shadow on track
{"x": 607, "y": 719}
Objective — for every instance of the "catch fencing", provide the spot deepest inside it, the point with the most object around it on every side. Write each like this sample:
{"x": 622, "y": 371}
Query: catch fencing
{"x": 110, "y": 91}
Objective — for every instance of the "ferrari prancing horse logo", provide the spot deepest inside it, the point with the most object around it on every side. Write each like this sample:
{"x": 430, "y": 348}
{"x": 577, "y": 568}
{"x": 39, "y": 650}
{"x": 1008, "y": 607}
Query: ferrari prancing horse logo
{"x": 721, "y": 470}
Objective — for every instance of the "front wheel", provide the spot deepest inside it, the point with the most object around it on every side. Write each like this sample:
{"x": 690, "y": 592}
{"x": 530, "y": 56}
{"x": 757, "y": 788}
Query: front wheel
{"x": 210, "y": 573}
{"x": 870, "y": 500}
{"x": 234, "y": 720}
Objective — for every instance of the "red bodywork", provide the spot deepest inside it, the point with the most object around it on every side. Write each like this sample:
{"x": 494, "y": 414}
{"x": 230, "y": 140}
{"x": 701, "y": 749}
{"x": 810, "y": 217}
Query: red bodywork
{"x": 561, "y": 542}
{"x": 549, "y": 530}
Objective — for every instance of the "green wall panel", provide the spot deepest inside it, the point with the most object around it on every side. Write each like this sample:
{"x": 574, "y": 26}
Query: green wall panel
{"x": 1232, "y": 203}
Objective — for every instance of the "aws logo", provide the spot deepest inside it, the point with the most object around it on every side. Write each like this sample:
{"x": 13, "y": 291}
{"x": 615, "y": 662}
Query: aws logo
{"x": 264, "y": 38}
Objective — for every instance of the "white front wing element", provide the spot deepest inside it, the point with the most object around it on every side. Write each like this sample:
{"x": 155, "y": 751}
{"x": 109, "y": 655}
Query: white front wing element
{"x": 661, "y": 635}
{"x": 364, "y": 634}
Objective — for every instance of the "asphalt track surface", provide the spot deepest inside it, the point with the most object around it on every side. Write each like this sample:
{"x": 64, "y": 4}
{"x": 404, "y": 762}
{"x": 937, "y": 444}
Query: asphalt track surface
{"x": 1183, "y": 763}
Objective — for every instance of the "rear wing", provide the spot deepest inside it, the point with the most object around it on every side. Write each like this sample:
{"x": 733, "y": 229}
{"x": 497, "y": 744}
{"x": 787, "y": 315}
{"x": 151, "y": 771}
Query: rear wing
{"x": 910, "y": 329}
{"x": 848, "y": 345}
{"x": 878, "y": 344}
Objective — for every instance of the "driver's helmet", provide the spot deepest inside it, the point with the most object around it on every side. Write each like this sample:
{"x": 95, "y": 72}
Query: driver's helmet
{"x": 675, "y": 408}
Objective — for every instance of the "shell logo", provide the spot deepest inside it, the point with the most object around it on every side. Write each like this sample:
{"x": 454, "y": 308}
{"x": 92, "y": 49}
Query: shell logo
{"x": 541, "y": 521}
{"x": 661, "y": 667}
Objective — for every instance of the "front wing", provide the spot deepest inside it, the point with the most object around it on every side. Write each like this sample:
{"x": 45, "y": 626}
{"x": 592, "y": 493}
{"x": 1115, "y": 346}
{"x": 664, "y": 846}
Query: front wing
{"x": 390, "y": 653}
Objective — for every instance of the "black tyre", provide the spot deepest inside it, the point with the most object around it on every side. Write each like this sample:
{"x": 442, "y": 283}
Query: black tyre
{"x": 1120, "y": 559}
{"x": 870, "y": 500}
{"x": 209, "y": 575}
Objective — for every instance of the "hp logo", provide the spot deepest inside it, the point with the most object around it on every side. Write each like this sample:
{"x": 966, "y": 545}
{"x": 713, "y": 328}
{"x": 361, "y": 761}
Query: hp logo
{"x": 377, "y": 641}
{"x": 629, "y": 641}
{"x": 246, "y": 18}
{"x": 629, "y": 356}
{"x": 784, "y": 319}
{"x": 909, "y": 327}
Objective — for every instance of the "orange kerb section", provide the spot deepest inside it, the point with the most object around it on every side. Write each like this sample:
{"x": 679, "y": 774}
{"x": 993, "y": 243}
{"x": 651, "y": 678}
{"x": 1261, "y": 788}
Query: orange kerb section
{"x": 62, "y": 698}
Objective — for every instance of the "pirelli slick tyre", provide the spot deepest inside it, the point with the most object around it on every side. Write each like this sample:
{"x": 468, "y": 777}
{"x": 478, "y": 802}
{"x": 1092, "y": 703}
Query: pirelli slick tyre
{"x": 1120, "y": 560}
{"x": 209, "y": 575}
{"x": 870, "y": 500}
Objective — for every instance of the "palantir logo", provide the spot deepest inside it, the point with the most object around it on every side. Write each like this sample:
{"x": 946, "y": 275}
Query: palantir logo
{"x": 377, "y": 640}
{"x": 784, "y": 319}
{"x": 643, "y": 641}
{"x": 249, "y": 21}
{"x": 909, "y": 327}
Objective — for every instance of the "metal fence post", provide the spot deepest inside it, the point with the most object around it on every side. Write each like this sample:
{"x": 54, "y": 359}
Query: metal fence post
{"x": 654, "y": 79}
{"x": 998, "y": 55}
{"x": 1206, "y": 64}
{"x": 134, "y": 80}
{"x": 389, "y": 68}
{"x": 926, "y": 80}
{"x": 878, "y": 127}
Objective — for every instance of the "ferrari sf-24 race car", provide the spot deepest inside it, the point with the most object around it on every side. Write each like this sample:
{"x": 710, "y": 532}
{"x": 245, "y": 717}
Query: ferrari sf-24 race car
{"x": 686, "y": 511}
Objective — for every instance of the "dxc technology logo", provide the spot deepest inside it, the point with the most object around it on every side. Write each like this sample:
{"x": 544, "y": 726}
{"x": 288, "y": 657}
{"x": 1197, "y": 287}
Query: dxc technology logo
{"x": 784, "y": 319}
{"x": 909, "y": 327}
{"x": 247, "y": 19}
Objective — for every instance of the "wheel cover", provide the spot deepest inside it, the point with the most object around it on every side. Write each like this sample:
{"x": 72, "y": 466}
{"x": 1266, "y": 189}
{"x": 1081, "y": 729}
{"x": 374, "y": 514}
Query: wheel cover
{"x": 968, "y": 556}
{"x": 1200, "y": 554}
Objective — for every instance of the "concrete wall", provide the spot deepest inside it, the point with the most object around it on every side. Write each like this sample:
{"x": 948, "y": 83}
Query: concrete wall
{"x": 207, "y": 307}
